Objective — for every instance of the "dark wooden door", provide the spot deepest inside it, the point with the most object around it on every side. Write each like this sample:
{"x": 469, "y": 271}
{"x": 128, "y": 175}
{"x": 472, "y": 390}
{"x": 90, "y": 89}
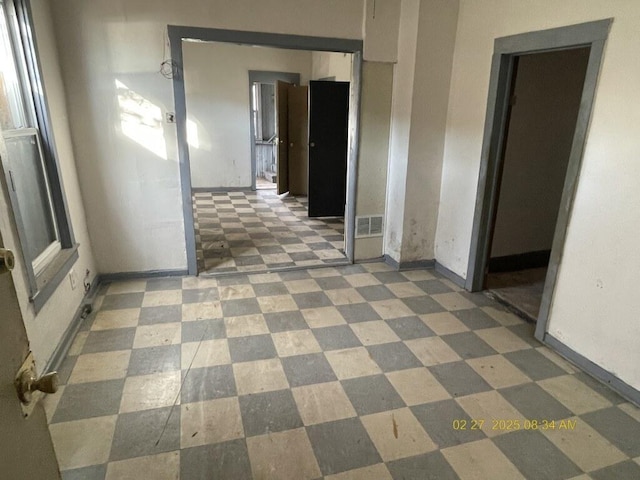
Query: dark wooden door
{"x": 328, "y": 140}
{"x": 298, "y": 140}
{"x": 282, "y": 136}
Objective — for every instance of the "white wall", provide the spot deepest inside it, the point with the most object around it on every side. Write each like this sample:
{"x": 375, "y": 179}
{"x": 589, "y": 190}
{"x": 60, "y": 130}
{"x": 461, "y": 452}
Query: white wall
{"x": 548, "y": 89}
{"x": 218, "y": 106}
{"x": 46, "y": 328}
{"x": 380, "y": 27}
{"x": 595, "y": 303}
{"x": 331, "y": 64}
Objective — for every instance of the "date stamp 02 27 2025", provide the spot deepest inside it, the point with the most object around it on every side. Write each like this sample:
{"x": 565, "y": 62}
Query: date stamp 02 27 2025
{"x": 510, "y": 425}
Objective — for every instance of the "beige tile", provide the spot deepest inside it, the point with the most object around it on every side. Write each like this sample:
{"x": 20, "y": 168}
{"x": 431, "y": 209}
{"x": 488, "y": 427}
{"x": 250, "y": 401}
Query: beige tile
{"x": 213, "y": 421}
{"x": 161, "y": 298}
{"x": 418, "y": 275}
{"x": 277, "y": 303}
{"x": 443, "y": 323}
{"x": 244, "y": 251}
{"x": 165, "y": 466}
{"x": 323, "y": 272}
{"x": 391, "y": 309}
{"x": 631, "y": 410}
{"x": 329, "y": 254}
{"x": 201, "y": 311}
{"x": 264, "y": 278}
{"x": 451, "y": 285}
{"x": 127, "y": 286}
{"x": 95, "y": 367}
{"x": 489, "y": 406}
{"x": 502, "y": 340}
{"x": 276, "y": 258}
{"x": 297, "y": 342}
{"x": 208, "y": 353}
{"x": 296, "y": 247}
{"x": 285, "y": 455}
{"x": 344, "y": 296}
{"x": 497, "y": 371}
{"x": 83, "y": 442}
{"x": 557, "y": 359}
{"x": 50, "y": 402}
{"x": 584, "y": 445}
{"x": 405, "y": 289}
{"x": 158, "y": 335}
{"x": 377, "y": 472}
{"x": 126, "y": 317}
{"x": 480, "y": 460}
{"x": 397, "y": 434}
{"x": 259, "y": 376}
{"x": 432, "y": 351}
{"x": 373, "y": 267}
{"x": 452, "y": 301}
{"x": 234, "y": 292}
{"x": 322, "y": 317}
{"x": 503, "y": 317}
{"x": 302, "y": 286}
{"x": 417, "y": 386}
{"x": 78, "y": 344}
{"x": 200, "y": 282}
{"x": 145, "y": 392}
{"x": 361, "y": 280}
{"x": 322, "y": 402}
{"x": 352, "y": 362}
{"x": 574, "y": 394}
{"x": 374, "y": 333}
{"x": 245, "y": 326}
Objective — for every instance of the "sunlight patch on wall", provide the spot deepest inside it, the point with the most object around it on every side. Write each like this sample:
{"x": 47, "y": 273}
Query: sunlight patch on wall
{"x": 193, "y": 139}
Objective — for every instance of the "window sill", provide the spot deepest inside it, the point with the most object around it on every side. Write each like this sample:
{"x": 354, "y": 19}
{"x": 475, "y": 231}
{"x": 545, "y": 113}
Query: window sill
{"x": 51, "y": 277}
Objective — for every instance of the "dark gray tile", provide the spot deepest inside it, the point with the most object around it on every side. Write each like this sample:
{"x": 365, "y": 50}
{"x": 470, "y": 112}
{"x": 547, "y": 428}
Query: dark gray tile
{"x": 285, "y": 321}
{"x": 624, "y": 470}
{"x": 269, "y": 412}
{"x": 295, "y": 274}
{"x": 302, "y": 256}
{"x": 109, "y": 340}
{"x": 432, "y": 287}
{"x": 239, "y": 307}
{"x": 393, "y": 356}
{"x": 525, "y": 331}
{"x": 475, "y": 319}
{"x": 352, "y": 269}
{"x": 200, "y": 384}
{"x": 233, "y": 280}
{"x": 164, "y": 314}
{"x": 122, "y": 300}
{"x": 94, "y": 472}
{"x": 408, "y": 328}
{"x": 268, "y": 289}
{"x": 423, "y": 305}
{"x": 219, "y": 461}
{"x": 146, "y": 433}
{"x": 359, "y": 312}
{"x": 468, "y": 345}
{"x": 200, "y": 295}
{"x": 307, "y": 369}
{"x": 249, "y": 260}
{"x": 65, "y": 369}
{"x": 199, "y": 330}
{"x": 321, "y": 246}
{"x": 372, "y": 293}
{"x": 372, "y": 394}
{"x": 165, "y": 283}
{"x": 430, "y": 466}
{"x": 332, "y": 283}
{"x": 600, "y": 387}
{"x": 145, "y": 361}
{"x": 438, "y": 418}
{"x": 390, "y": 277}
{"x": 459, "y": 379}
{"x": 535, "y": 456}
{"x": 255, "y": 347}
{"x": 342, "y": 445}
{"x": 534, "y": 403}
{"x": 535, "y": 365}
{"x": 479, "y": 299}
{"x": 336, "y": 338}
{"x": 311, "y": 300}
{"x": 269, "y": 249}
{"x": 616, "y": 426}
{"x": 87, "y": 400}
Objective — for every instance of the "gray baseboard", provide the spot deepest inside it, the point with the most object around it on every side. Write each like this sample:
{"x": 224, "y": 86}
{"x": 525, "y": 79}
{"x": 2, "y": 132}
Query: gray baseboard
{"x": 454, "y": 277}
{"x": 596, "y": 371}
{"x": 113, "y": 277}
{"x": 414, "y": 265}
{"x": 220, "y": 189}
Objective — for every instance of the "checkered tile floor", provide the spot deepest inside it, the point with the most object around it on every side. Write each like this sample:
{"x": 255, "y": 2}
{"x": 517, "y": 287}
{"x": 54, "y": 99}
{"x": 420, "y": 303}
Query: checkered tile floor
{"x": 259, "y": 231}
{"x": 355, "y": 372}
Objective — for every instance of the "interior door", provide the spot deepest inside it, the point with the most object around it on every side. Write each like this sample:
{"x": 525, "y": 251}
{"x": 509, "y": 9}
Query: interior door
{"x": 282, "y": 136}
{"x": 25, "y": 444}
{"x": 328, "y": 140}
{"x": 298, "y": 139}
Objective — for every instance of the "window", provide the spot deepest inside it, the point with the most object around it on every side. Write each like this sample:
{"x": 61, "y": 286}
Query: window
{"x": 30, "y": 166}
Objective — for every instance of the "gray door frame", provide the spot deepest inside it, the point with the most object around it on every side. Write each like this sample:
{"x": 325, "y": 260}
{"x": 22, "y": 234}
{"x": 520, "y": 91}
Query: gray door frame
{"x": 293, "y": 42}
{"x": 261, "y": 76}
{"x": 506, "y": 49}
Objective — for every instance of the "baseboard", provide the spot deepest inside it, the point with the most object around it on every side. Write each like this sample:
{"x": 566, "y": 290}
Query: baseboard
{"x": 113, "y": 277}
{"x": 449, "y": 275}
{"x": 597, "y": 372}
{"x": 519, "y": 261}
{"x": 392, "y": 262}
{"x": 220, "y": 189}
{"x": 414, "y": 265}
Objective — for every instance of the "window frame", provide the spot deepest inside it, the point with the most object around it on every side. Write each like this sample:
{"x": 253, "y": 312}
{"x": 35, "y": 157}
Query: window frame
{"x": 45, "y": 272}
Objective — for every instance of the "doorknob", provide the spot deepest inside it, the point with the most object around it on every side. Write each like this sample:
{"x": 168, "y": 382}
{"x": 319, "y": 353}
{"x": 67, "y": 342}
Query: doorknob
{"x": 27, "y": 383}
{"x": 7, "y": 260}
{"x": 312, "y": 144}
{"x": 291, "y": 144}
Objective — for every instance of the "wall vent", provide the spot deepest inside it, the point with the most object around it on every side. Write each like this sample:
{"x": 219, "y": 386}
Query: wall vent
{"x": 369, "y": 226}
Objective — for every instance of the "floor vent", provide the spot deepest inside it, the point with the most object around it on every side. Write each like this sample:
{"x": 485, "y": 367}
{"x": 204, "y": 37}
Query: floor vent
{"x": 369, "y": 226}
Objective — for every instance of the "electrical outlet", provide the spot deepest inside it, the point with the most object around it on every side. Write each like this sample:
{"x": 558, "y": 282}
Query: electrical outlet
{"x": 170, "y": 117}
{"x": 72, "y": 279}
